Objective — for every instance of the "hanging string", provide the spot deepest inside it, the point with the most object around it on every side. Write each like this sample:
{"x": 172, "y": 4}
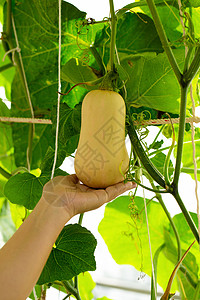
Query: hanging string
{"x": 59, "y": 88}
{"x": 194, "y": 159}
{"x": 149, "y": 239}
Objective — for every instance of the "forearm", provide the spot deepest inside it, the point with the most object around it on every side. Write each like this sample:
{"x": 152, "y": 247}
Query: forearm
{"x": 23, "y": 257}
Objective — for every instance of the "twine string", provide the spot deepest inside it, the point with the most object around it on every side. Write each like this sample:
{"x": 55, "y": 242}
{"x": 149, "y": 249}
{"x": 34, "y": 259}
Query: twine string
{"x": 59, "y": 88}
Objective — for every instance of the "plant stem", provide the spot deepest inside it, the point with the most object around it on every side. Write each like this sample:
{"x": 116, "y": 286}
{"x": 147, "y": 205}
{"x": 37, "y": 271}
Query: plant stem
{"x": 4, "y": 173}
{"x": 98, "y": 59}
{"x": 194, "y": 67}
{"x": 80, "y": 218}
{"x": 180, "y": 135}
{"x": 76, "y": 277}
{"x": 71, "y": 289}
{"x": 186, "y": 214}
{"x": 155, "y": 263}
{"x": 154, "y": 141}
{"x": 5, "y": 67}
{"x": 158, "y": 196}
{"x": 113, "y": 35}
{"x": 149, "y": 189}
{"x": 164, "y": 40}
{"x": 189, "y": 170}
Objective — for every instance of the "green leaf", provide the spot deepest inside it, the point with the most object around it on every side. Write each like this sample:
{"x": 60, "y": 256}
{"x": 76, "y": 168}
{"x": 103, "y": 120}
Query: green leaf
{"x": 186, "y": 236}
{"x": 38, "y": 292}
{"x": 86, "y": 285}
{"x": 103, "y": 298}
{"x": 136, "y": 33}
{"x": 73, "y": 254}
{"x": 43, "y": 138}
{"x": 124, "y": 231}
{"x": 172, "y": 28}
{"x": 6, "y": 76}
{"x": 37, "y": 29}
{"x": 191, "y": 261}
{"x": 157, "y": 144}
{"x": 69, "y": 126}
{"x": 158, "y": 160}
{"x": 7, "y": 227}
{"x": 47, "y": 163}
{"x": 75, "y": 71}
{"x": 25, "y": 189}
{"x": 160, "y": 90}
{"x": 6, "y": 145}
{"x": 187, "y": 157}
{"x": 18, "y": 214}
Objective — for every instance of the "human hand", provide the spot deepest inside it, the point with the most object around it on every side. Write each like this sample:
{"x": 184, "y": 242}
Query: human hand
{"x": 68, "y": 193}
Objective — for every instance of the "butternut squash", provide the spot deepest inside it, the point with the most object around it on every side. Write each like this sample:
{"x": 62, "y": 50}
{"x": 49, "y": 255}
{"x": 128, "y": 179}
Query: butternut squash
{"x": 101, "y": 151}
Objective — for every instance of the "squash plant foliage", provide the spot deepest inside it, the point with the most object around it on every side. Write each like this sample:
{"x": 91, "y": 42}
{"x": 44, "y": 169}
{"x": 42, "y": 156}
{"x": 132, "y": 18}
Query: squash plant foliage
{"x": 141, "y": 52}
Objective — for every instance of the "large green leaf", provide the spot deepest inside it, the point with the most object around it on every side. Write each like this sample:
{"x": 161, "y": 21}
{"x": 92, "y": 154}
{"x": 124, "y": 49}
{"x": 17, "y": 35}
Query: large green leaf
{"x": 152, "y": 81}
{"x": 135, "y": 34}
{"x": 25, "y": 189}
{"x": 73, "y": 253}
{"x": 124, "y": 230}
{"x": 37, "y": 29}
{"x": 173, "y": 27}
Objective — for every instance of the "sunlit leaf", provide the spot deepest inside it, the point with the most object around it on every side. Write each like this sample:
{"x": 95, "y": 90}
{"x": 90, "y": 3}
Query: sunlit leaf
{"x": 160, "y": 90}
{"x": 124, "y": 230}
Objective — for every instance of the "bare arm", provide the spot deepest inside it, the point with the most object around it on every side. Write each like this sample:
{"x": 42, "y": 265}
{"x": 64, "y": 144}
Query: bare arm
{"x": 23, "y": 257}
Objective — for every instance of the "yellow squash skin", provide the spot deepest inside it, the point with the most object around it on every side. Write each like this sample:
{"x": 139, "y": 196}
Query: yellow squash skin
{"x": 101, "y": 150}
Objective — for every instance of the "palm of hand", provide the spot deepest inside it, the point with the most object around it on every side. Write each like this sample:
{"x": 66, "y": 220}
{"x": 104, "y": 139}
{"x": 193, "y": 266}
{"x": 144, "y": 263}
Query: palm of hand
{"x": 67, "y": 192}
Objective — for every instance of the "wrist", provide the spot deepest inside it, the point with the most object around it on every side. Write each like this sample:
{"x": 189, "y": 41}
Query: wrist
{"x": 52, "y": 215}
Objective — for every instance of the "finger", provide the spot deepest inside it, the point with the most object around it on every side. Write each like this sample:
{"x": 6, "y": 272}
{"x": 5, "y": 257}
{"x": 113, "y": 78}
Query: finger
{"x": 73, "y": 178}
{"x": 82, "y": 187}
{"x": 117, "y": 189}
